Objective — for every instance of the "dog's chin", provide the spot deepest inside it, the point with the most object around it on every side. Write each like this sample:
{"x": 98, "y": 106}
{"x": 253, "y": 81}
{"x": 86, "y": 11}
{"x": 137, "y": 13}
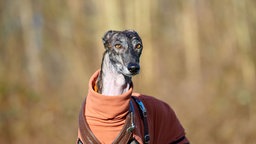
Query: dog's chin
{"x": 128, "y": 74}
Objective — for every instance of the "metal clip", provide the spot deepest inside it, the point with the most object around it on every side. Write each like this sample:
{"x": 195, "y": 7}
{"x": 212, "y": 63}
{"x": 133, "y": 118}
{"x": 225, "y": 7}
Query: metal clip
{"x": 147, "y": 139}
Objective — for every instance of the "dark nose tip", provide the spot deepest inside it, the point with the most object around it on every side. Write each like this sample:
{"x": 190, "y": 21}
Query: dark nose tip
{"x": 133, "y": 68}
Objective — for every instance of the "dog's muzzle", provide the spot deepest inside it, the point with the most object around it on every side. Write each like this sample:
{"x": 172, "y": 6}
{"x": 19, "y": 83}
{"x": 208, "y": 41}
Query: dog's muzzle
{"x": 133, "y": 68}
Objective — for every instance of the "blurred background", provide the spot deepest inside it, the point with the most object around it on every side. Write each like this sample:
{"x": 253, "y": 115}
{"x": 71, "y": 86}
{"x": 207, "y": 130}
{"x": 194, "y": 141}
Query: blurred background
{"x": 199, "y": 56}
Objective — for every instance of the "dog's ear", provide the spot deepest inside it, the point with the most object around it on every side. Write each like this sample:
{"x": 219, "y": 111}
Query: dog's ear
{"x": 106, "y": 38}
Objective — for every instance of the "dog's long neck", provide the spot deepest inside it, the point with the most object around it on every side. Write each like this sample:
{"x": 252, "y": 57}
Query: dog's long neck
{"x": 110, "y": 82}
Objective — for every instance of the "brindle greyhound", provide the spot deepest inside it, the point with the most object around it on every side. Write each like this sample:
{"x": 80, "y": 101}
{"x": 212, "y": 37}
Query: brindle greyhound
{"x": 120, "y": 62}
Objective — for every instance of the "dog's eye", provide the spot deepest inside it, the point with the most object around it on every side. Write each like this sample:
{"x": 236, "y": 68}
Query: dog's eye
{"x": 138, "y": 46}
{"x": 118, "y": 46}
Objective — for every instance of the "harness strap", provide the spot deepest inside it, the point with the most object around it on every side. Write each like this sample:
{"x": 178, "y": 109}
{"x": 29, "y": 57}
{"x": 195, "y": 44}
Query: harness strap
{"x": 126, "y": 133}
{"x": 86, "y": 134}
{"x": 143, "y": 115}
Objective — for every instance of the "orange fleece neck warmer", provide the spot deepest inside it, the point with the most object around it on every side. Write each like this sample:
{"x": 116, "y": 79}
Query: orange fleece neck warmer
{"x": 106, "y": 117}
{"x": 106, "y": 113}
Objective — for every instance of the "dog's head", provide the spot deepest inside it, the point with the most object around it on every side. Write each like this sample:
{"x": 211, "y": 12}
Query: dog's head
{"x": 124, "y": 49}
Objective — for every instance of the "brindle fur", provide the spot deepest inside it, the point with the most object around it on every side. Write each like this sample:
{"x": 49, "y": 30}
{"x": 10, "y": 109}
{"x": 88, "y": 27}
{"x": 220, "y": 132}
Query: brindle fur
{"x": 124, "y": 60}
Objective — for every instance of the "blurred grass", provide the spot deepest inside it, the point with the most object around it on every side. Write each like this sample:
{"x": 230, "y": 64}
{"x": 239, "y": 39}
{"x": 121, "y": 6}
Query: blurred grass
{"x": 199, "y": 56}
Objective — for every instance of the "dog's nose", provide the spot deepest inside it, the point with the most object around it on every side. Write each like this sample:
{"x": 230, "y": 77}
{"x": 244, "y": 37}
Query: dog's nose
{"x": 133, "y": 68}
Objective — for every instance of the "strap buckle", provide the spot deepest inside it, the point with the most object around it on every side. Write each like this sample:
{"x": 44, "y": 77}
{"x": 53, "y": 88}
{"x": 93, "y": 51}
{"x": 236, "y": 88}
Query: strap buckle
{"x": 147, "y": 138}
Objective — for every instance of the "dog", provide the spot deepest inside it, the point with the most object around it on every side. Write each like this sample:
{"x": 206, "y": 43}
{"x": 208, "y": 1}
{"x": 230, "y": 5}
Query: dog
{"x": 112, "y": 112}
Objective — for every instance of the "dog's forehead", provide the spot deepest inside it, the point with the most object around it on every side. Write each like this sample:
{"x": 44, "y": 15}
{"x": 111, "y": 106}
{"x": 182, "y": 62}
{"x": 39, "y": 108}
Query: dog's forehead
{"x": 127, "y": 35}
{"x": 131, "y": 34}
